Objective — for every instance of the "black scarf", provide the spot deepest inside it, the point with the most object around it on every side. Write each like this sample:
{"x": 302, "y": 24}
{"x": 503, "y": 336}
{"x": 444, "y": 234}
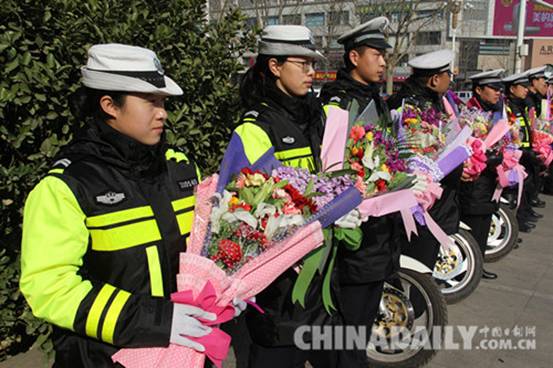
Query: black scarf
{"x": 423, "y": 96}
{"x": 303, "y": 110}
{"x": 106, "y": 144}
{"x": 487, "y": 106}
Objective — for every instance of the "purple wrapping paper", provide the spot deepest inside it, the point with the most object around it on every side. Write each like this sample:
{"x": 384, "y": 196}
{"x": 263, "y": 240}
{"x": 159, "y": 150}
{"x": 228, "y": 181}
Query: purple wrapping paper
{"x": 453, "y": 159}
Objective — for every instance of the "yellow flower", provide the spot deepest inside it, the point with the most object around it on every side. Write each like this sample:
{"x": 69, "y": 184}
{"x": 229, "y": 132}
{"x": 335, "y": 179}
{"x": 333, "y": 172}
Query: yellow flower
{"x": 384, "y": 168}
{"x": 411, "y": 121}
{"x": 369, "y": 136}
{"x": 234, "y": 200}
{"x": 254, "y": 180}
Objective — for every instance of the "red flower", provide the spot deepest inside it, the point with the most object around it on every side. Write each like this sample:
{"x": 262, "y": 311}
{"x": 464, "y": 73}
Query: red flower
{"x": 246, "y": 171}
{"x": 380, "y": 185}
{"x": 229, "y": 253}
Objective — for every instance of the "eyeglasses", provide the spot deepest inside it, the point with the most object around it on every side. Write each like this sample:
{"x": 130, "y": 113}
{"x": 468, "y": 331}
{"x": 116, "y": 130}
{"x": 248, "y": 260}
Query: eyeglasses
{"x": 306, "y": 66}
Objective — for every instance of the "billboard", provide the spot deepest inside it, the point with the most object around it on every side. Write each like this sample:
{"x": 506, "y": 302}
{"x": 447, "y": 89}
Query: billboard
{"x": 539, "y": 19}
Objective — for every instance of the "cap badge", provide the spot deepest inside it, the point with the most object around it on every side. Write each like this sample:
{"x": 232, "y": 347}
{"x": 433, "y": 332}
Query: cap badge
{"x": 158, "y": 66}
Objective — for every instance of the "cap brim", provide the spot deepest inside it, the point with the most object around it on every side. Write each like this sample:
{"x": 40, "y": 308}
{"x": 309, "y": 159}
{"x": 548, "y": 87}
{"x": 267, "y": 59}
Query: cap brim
{"x": 284, "y": 49}
{"x": 116, "y": 82}
{"x": 375, "y": 43}
{"x": 498, "y": 86}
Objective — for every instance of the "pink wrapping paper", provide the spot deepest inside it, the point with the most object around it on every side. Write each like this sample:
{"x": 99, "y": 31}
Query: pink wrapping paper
{"x": 510, "y": 165}
{"x": 197, "y": 273}
{"x": 334, "y": 140}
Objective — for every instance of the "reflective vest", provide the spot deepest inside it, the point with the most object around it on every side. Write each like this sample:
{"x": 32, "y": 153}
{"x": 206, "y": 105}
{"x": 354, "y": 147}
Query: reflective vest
{"x": 521, "y": 121}
{"x": 266, "y": 127}
{"x": 100, "y": 254}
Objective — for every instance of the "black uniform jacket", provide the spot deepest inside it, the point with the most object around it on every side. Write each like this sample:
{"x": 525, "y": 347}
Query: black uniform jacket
{"x": 378, "y": 256}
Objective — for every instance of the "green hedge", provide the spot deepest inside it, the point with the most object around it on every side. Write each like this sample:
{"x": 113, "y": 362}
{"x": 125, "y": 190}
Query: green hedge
{"x": 42, "y": 45}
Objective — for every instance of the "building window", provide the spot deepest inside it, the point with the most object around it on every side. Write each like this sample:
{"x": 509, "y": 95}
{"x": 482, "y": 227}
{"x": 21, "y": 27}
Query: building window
{"x": 338, "y": 17}
{"x": 429, "y": 38}
{"x": 271, "y": 21}
{"x": 291, "y": 19}
{"x": 429, "y": 13}
{"x": 315, "y": 20}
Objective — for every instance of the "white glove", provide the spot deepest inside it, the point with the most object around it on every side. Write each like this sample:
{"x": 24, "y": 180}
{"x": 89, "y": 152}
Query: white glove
{"x": 240, "y": 305}
{"x": 185, "y": 323}
{"x": 420, "y": 183}
{"x": 351, "y": 220}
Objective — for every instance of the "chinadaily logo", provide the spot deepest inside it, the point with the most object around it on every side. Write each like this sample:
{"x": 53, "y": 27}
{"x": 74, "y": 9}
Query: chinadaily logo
{"x": 417, "y": 338}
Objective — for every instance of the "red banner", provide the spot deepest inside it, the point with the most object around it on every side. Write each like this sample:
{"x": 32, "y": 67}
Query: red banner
{"x": 539, "y": 19}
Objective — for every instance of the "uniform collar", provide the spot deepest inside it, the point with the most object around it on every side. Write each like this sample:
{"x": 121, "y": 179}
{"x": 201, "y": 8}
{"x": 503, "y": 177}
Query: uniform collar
{"x": 121, "y": 151}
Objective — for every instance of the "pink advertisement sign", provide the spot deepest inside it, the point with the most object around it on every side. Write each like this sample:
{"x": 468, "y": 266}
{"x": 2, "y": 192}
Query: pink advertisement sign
{"x": 539, "y": 19}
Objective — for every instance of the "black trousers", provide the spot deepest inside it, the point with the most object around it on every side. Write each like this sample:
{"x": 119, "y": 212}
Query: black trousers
{"x": 359, "y": 306}
{"x": 480, "y": 228}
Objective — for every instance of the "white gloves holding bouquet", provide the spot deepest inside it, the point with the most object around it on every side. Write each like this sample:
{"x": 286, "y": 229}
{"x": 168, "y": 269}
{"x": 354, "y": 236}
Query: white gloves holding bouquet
{"x": 186, "y": 324}
{"x": 351, "y": 220}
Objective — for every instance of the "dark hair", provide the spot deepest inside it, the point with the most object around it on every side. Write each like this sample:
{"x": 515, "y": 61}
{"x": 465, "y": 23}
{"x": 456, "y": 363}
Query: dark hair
{"x": 347, "y": 62}
{"x": 85, "y": 103}
{"x": 254, "y": 82}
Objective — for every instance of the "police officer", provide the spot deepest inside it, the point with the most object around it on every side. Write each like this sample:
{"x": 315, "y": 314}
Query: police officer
{"x": 516, "y": 91}
{"x": 281, "y": 114}
{"x": 103, "y": 229}
{"x": 362, "y": 273}
{"x": 475, "y": 197}
{"x": 423, "y": 89}
{"x": 537, "y": 89}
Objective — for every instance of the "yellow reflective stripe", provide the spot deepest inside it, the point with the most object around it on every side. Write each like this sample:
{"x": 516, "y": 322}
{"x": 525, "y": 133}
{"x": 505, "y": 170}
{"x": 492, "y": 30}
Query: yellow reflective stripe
{"x": 304, "y": 163}
{"x": 56, "y": 171}
{"x": 185, "y": 221}
{"x": 249, "y": 119}
{"x": 172, "y": 154}
{"x": 95, "y": 312}
{"x": 293, "y": 153}
{"x": 108, "y": 327}
{"x": 156, "y": 281}
{"x": 198, "y": 173}
{"x": 254, "y": 139}
{"x": 181, "y": 204}
{"x": 119, "y": 216}
{"x": 125, "y": 236}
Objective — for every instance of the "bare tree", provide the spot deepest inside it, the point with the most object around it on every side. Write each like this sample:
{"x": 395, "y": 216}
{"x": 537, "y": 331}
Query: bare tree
{"x": 407, "y": 18}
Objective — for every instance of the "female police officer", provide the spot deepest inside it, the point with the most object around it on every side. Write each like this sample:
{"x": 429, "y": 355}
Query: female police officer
{"x": 281, "y": 114}
{"x": 102, "y": 231}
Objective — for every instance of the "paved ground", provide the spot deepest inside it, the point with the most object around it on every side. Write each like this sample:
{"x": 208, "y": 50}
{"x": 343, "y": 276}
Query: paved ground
{"x": 521, "y": 296}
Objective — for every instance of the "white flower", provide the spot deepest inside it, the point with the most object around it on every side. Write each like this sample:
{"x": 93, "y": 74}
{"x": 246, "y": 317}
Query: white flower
{"x": 368, "y": 160}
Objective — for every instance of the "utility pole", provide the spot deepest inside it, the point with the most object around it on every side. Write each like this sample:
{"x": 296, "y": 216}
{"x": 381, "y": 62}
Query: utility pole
{"x": 522, "y": 49}
{"x": 455, "y": 10}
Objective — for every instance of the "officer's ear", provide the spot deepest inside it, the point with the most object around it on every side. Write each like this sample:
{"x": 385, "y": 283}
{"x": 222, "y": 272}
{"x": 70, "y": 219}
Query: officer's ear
{"x": 109, "y": 106}
{"x": 275, "y": 67}
{"x": 478, "y": 90}
{"x": 354, "y": 57}
{"x": 433, "y": 81}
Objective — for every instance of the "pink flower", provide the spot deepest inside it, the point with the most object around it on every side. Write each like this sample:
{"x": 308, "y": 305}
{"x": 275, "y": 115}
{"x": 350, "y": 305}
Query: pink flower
{"x": 290, "y": 209}
{"x": 360, "y": 185}
{"x": 357, "y": 166}
{"x": 357, "y": 132}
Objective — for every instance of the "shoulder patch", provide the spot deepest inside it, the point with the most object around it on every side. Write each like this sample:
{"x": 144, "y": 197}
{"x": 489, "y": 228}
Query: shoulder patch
{"x": 64, "y": 162}
{"x": 252, "y": 113}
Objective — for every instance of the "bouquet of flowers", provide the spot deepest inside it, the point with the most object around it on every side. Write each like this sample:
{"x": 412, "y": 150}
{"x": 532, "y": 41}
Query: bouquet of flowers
{"x": 251, "y": 223}
{"x": 541, "y": 144}
{"x": 422, "y": 131}
{"x": 485, "y": 136}
{"x": 375, "y": 160}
